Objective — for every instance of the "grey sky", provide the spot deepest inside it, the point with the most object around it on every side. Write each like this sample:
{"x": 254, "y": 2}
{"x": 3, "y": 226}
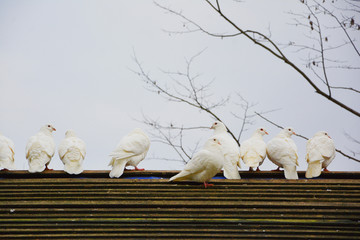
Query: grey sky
{"x": 67, "y": 63}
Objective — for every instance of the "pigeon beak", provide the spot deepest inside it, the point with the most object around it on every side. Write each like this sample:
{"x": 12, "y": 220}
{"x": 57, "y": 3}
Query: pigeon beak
{"x": 212, "y": 127}
{"x": 329, "y": 136}
{"x": 293, "y": 133}
{"x": 266, "y": 133}
{"x": 219, "y": 143}
{"x": 54, "y": 129}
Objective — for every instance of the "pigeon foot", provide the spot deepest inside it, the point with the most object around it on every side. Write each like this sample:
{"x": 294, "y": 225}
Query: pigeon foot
{"x": 208, "y": 184}
{"x": 46, "y": 168}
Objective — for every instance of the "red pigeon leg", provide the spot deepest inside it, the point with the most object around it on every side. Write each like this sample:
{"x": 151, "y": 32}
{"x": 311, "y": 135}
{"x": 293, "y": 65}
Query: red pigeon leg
{"x": 326, "y": 170}
{"x": 250, "y": 169}
{"x": 208, "y": 185}
{"x": 258, "y": 169}
{"x": 46, "y": 168}
{"x": 139, "y": 169}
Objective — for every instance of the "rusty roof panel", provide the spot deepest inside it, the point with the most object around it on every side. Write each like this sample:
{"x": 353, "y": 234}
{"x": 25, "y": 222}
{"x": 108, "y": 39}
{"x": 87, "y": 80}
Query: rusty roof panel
{"x": 55, "y": 205}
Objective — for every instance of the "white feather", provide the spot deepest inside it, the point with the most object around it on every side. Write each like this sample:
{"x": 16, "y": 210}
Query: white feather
{"x": 7, "y": 152}
{"x": 131, "y": 150}
{"x": 320, "y": 151}
{"x": 230, "y": 149}
{"x": 40, "y": 149}
{"x": 253, "y": 150}
{"x": 204, "y": 165}
{"x": 282, "y": 151}
{"x": 72, "y": 151}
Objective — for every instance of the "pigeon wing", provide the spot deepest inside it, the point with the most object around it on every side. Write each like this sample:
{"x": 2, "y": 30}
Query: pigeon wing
{"x": 49, "y": 146}
{"x": 326, "y": 147}
{"x": 7, "y": 152}
{"x": 253, "y": 152}
{"x": 282, "y": 151}
{"x": 196, "y": 165}
{"x": 131, "y": 145}
{"x": 63, "y": 148}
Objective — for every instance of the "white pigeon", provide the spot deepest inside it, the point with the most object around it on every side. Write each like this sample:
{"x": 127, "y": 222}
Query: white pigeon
{"x": 131, "y": 150}
{"x": 204, "y": 165}
{"x": 282, "y": 151}
{"x": 230, "y": 149}
{"x": 320, "y": 151}
{"x": 72, "y": 151}
{"x": 7, "y": 152}
{"x": 40, "y": 149}
{"x": 253, "y": 150}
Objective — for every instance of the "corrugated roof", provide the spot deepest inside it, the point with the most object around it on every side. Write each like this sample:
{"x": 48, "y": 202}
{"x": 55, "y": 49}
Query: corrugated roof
{"x": 55, "y": 205}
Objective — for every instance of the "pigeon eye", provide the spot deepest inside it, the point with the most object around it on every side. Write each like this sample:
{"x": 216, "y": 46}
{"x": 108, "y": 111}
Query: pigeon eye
{"x": 216, "y": 123}
{"x": 48, "y": 125}
{"x": 214, "y": 139}
{"x": 289, "y": 129}
{"x": 325, "y": 133}
{"x": 261, "y": 129}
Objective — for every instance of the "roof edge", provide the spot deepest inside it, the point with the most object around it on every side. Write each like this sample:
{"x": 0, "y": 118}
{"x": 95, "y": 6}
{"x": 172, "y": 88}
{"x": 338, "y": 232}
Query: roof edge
{"x": 168, "y": 174}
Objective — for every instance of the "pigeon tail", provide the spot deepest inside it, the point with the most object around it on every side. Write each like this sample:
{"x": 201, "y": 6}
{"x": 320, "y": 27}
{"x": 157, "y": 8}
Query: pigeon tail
{"x": 290, "y": 172}
{"x": 36, "y": 166}
{"x": 118, "y": 166}
{"x": 73, "y": 168}
{"x": 314, "y": 169}
{"x": 183, "y": 175}
{"x": 10, "y": 164}
{"x": 230, "y": 167}
{"x": 231, "y": 173}
{"x": 73, "y": 160}
{"x": 37, "y": 161}
{"x": 252, "y": 161}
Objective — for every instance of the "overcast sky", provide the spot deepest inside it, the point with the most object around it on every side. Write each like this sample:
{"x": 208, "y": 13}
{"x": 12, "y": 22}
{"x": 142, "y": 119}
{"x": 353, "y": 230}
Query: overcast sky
{"x": 67, "y": 63}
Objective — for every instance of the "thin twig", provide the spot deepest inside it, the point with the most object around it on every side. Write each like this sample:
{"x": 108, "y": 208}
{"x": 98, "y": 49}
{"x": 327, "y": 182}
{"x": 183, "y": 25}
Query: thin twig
{"x": 279, "y": 54}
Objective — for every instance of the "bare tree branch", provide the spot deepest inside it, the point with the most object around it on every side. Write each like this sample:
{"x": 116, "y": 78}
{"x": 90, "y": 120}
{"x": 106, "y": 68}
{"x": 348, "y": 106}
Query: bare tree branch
{"x": 347, "y": 88}
{"x": 320, "y": 40}
{"x": 341, "y": 25}
{"x": 194, "y": 95}
{"x": 245, "y": 118}
{"x": 185, "y": 86}
{"x": 164, "y": 135}
{"x": 351, "y": 138}
{"x": 267, "y": 44}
